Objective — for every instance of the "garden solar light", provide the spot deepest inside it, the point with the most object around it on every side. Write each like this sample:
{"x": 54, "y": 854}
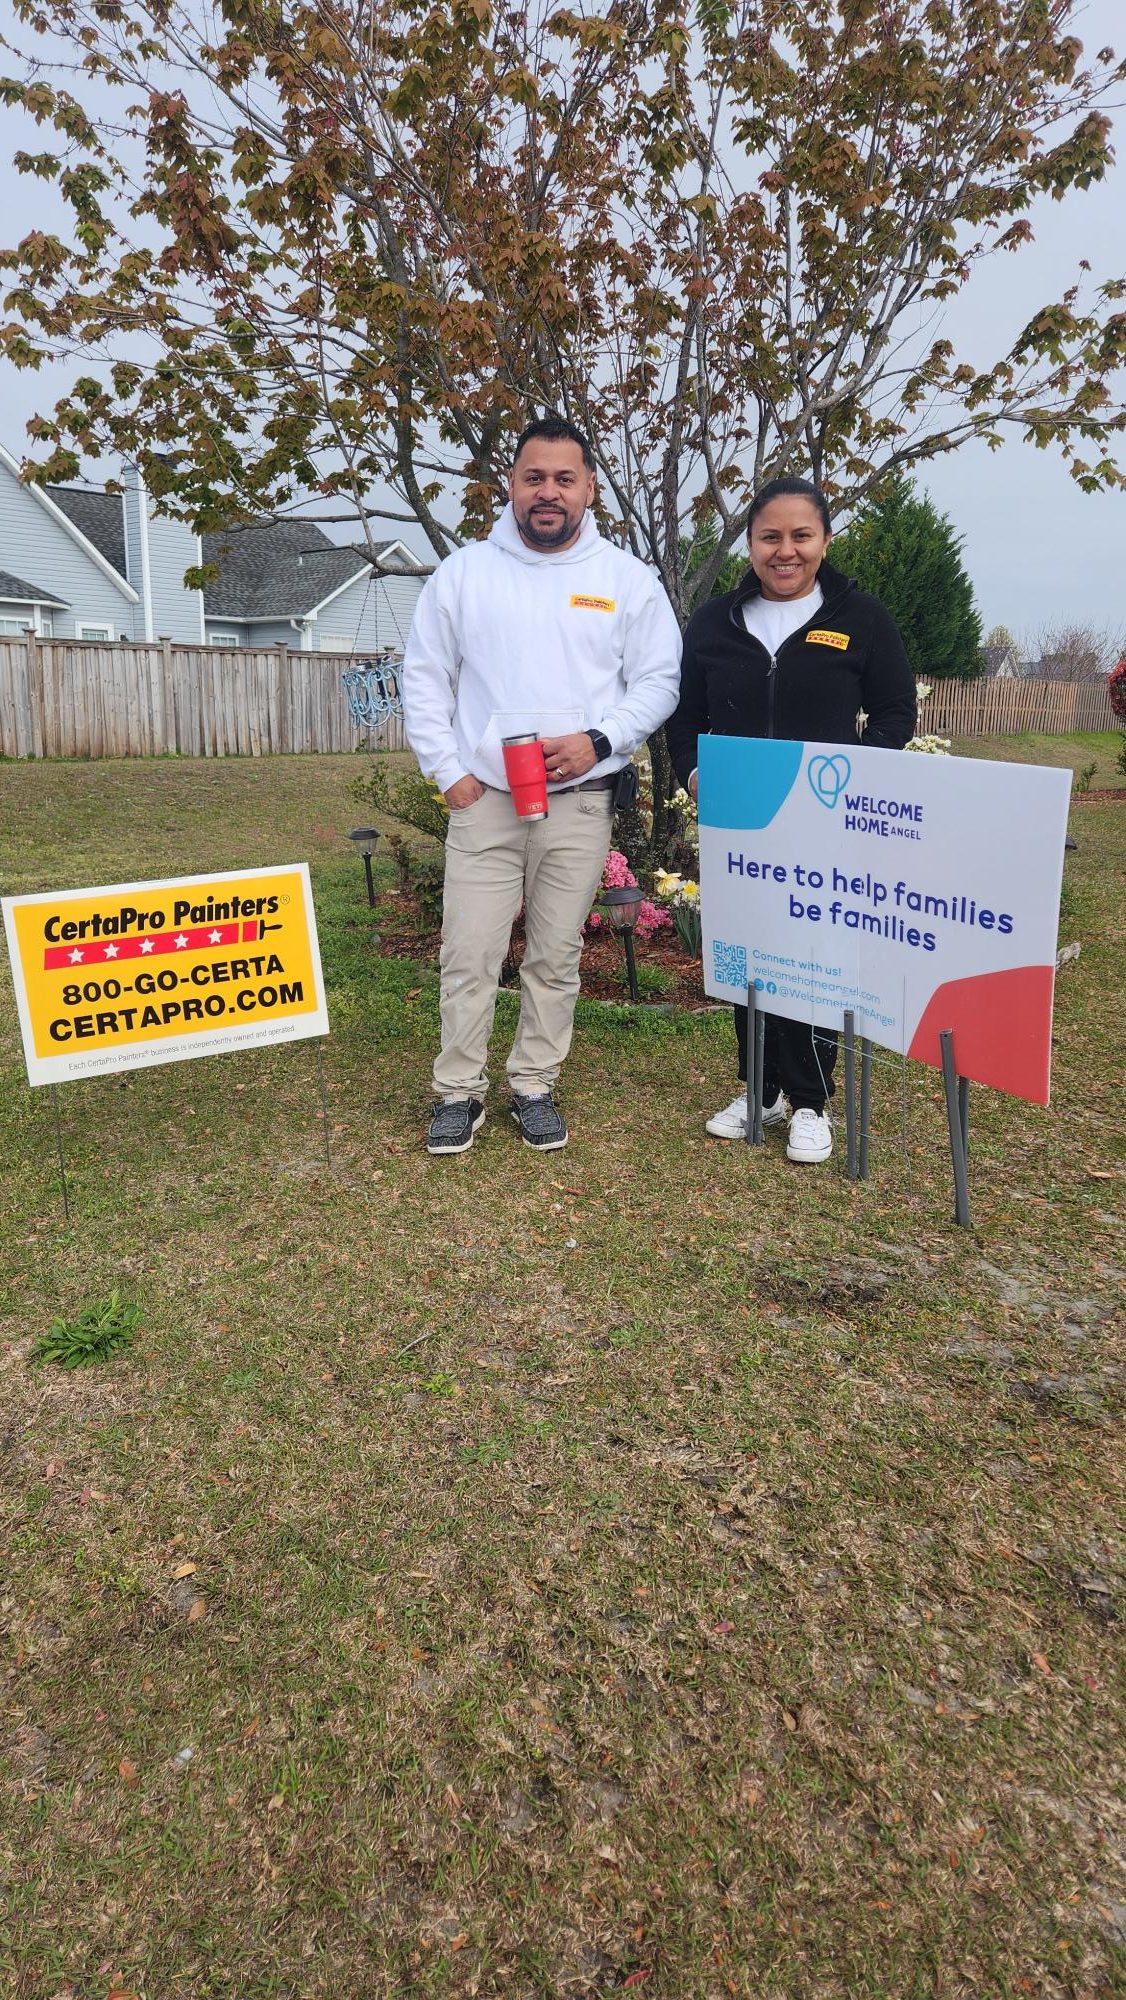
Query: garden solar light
{"x": 363, "y": 839}
{"x": 621, "y": 908}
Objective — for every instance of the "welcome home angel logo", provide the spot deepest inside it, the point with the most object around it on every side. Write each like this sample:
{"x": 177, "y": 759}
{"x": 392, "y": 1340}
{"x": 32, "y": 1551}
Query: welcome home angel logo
{"x": 828, "y": 777}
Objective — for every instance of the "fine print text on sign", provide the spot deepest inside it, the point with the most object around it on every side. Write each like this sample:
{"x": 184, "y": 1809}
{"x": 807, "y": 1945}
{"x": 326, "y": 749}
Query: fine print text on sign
{"x": 152, "y": 972}
{"x": 920, "y": 892}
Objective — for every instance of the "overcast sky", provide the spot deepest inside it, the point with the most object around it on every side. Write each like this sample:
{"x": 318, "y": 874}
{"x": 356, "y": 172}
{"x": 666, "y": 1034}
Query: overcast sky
{"x": 1038, "y": 550}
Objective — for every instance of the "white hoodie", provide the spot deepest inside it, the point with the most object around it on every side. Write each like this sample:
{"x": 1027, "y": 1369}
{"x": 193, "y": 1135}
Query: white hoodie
{"x": 508, "y": 640}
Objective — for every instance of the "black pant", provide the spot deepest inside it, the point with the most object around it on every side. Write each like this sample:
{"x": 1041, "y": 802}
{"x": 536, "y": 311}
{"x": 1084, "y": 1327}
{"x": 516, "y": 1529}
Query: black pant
{"x": 795, "y": 1058}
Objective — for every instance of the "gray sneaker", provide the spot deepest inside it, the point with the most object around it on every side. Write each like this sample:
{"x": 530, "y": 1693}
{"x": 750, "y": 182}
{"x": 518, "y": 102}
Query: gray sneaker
{"x": 454, "y": 1123}
{"x": 541, "y": 1122}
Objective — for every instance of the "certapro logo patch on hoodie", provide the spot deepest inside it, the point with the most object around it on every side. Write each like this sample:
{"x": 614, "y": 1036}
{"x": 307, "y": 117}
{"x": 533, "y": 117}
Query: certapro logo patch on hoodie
{"x": 579, "y": 603}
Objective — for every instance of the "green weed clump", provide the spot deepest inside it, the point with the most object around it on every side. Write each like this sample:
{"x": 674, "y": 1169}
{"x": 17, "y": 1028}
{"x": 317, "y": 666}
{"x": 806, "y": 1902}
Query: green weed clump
{"x": 98, "y": 1332}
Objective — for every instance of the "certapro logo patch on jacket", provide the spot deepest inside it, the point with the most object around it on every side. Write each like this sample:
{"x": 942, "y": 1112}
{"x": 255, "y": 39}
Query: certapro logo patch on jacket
{"x": 837, "y": 639}
{"x": 579, "y": 603}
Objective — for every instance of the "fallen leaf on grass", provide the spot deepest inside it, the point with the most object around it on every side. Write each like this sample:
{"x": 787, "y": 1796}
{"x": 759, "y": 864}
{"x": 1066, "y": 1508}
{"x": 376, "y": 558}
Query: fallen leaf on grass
{"x": 1039, "y": 1661}
{"x": 184, "y": 1569}
{"x": 198, "y": 1610}
{"x": 127, "y": 1770}
{"x": 790, "y": 1721}
{"x": 276, "y": 1803}
{"x": 636, "y": 1978}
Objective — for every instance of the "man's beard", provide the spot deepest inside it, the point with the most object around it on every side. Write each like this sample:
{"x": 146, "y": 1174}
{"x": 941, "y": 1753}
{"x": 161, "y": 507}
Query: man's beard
{"x": 548, "y": 538}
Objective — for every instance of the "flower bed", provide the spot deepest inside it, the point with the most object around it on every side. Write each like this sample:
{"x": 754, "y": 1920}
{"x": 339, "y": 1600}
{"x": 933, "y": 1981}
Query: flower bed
{"x": 665, "y": 974}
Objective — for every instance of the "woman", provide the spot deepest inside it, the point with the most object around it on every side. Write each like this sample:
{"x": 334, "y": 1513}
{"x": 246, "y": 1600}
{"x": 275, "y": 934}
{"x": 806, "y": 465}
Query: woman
{"x": 755, "y": 664}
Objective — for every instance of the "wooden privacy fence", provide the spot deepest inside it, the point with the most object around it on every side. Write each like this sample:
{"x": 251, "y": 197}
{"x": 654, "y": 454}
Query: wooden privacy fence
{"x": 60, "y": 698}
{"x": 1007, "y": 707}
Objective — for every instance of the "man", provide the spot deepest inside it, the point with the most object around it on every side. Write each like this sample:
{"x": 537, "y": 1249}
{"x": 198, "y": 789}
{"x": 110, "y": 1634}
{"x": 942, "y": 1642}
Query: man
{"x": 544, "y": 628}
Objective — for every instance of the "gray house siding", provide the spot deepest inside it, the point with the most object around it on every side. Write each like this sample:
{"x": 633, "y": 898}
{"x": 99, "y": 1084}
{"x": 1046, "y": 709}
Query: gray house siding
{"x": 135, "y": 562}
{"x": 33, "y": 543}
{"x": 362, "y": 619}
{"x": 347, "y": 624}
{"x": 370, "y": 618}
{"x": 177, "y": 613}
{"x": 268, "y": 632}
{"x": 157, "y": 553}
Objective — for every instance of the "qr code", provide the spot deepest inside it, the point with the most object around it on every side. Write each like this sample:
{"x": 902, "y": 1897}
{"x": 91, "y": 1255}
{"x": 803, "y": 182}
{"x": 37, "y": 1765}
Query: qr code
{"x": 729, "y": 963}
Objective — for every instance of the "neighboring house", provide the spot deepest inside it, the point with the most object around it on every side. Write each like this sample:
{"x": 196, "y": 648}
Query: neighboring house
{"x": 24, "y": 607}
{"x": 1003, "y": 663}
{"x": 285, "y": 583}
{"x": 107, "y": 566}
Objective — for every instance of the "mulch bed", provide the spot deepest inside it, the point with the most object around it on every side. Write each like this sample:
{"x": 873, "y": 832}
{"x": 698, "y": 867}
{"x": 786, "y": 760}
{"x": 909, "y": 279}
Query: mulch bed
{"x": 603, "y": 967}
{"x": 1099, "y": 795}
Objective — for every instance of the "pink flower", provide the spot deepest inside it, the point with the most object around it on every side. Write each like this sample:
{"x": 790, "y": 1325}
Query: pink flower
{"x": 616, "y": 874}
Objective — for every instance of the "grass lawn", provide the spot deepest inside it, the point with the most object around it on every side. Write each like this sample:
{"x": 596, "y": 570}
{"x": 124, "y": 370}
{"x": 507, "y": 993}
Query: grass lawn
{"x": 1077, "y": 752}
{"x": 648, "y": 1568}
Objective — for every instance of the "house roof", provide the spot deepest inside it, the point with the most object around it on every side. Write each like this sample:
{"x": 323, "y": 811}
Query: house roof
{"x": 16, "y": 590}
{"x": 271, "y": 569}
{"x": 275, "y": 569}
{"x": 98, "y": 516}
{"x": 46, "y": 498}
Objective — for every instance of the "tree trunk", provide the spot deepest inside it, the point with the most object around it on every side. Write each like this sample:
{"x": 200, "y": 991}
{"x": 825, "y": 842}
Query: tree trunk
{"x": 662, "y": 788}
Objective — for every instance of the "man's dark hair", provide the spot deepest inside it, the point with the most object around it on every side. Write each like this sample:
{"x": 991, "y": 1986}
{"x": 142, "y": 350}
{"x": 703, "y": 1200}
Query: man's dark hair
{"x": 791, "y": 489}
{"x": 554, "y": 430}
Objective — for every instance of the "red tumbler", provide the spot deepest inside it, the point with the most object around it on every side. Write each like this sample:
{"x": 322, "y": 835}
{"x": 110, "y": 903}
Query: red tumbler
{"x": 527, "y": 775}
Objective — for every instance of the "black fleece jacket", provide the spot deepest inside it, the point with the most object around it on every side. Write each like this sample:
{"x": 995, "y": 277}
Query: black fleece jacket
{"x": 848, "y": 657}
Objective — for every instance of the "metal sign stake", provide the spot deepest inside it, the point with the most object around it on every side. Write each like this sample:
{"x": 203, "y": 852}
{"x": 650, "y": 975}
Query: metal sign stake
{"x": 958, "y": 1119}
{"x": 756, "y": 1034}
{"x": 865, "y": 1103}
{"x": 850, "y": 1089}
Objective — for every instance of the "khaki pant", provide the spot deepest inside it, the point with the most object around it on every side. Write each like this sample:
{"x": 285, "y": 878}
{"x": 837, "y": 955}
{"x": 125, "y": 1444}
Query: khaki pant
{"x": 495, "y": 861}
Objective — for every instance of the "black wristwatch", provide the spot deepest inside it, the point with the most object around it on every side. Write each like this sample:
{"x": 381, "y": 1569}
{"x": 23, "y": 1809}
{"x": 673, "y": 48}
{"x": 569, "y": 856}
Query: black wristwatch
{"x": 603, "y": 747}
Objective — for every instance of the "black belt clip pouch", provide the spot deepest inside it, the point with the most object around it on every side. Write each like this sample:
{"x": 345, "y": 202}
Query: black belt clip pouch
{"x": 627, "y": 788}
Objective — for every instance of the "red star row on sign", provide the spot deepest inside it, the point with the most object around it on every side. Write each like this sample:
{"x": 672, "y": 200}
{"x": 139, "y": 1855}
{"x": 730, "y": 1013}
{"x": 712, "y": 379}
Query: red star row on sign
{"x": 156, "y": 944}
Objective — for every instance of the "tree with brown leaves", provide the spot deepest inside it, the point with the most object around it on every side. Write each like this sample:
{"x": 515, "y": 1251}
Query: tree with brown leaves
{"x": 323, "y": 247}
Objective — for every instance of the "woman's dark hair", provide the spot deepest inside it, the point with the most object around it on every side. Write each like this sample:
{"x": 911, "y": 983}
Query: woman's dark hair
{"x": 791, "y": 489}
{"x": 555, "y": 430}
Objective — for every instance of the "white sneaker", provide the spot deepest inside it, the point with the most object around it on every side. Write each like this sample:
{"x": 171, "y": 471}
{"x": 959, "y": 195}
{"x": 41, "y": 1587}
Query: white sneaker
{"x": 731, "y": 1123}
{"x": 811, "y": 1137}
